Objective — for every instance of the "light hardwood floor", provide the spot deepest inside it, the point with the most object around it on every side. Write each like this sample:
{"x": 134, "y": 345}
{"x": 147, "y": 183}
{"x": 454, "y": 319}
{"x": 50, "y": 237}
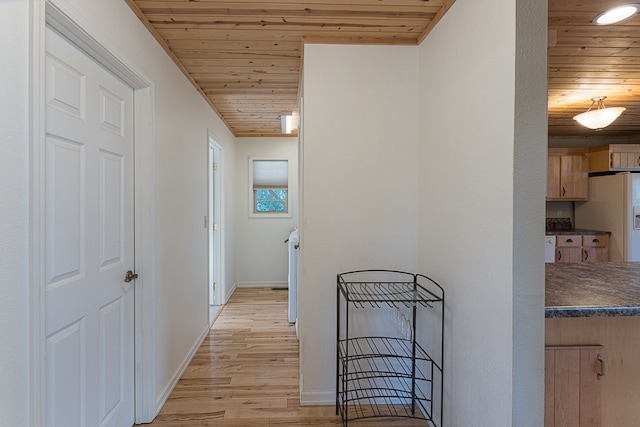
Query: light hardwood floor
{"x": 245, "y": 374}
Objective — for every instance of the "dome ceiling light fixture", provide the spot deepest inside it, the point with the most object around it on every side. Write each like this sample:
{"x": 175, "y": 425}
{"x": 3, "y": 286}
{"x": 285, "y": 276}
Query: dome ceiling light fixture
{"x": 599, "y": 118}
{"x": 617, "y": 14}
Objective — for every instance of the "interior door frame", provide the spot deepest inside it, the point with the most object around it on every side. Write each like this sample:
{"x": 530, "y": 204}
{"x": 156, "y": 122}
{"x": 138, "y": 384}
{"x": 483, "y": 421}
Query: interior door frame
{"x": 215, "y": 153}
{"x": 61, "y": 17}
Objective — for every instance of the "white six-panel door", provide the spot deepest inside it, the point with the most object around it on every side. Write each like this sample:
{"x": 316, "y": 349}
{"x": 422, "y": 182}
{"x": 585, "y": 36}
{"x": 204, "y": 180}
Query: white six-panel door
{"x": 88, "y": 241}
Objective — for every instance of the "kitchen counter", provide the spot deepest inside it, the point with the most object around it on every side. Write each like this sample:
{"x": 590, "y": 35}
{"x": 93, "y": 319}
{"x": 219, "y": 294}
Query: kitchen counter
{"x": 575, "y": 231}
{"x": 606, "y": 289}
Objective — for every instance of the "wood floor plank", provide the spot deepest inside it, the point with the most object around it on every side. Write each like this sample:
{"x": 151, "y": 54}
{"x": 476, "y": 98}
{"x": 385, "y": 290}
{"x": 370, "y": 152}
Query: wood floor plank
{"x": 245, "y": 373}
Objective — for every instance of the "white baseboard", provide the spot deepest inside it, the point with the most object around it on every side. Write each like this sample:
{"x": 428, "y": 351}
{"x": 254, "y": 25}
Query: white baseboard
{"x": 228, "y": 294}
{"x": 166, "y": 391}
{"x": 262, "y": 284}
{"x": 317, "y": 398}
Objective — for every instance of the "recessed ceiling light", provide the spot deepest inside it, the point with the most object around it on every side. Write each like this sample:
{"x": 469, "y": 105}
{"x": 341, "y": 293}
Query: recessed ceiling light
{"x": 617, "y": 14}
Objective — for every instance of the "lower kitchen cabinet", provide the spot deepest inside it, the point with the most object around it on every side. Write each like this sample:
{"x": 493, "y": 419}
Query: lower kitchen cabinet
{"x": 582, "y": 248}
{"x": 569, "y": 248}
{"x": 573, "y": 386}
{"x": 619, "y": 338}
{"x": 595, "y": 248}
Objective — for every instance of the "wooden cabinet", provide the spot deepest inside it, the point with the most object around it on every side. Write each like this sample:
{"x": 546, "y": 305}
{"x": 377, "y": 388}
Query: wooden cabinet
{"x": 569, "y": 248}
{"x": 582, "y": 248}
{"x": 614, "y": 157}
{"x": 619, "y": 338}
{"x": 573, "y": 386}
{"x": 567, "y": 174}
{"x": 595, "y": 248}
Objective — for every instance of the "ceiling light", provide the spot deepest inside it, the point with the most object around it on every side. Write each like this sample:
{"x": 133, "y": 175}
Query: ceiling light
{"x": 599, "y": 118}
{"x": 617, "y": 14}
{"x": 286, "y": 122}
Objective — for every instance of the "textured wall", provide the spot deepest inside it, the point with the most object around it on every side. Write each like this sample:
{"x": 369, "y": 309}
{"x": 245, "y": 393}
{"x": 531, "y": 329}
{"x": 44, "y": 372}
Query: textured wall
{"x": 14, "y": 213}
{"x": 483, "y": 137}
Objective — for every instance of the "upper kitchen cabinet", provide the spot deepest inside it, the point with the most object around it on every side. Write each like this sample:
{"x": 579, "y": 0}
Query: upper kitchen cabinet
{"x": 614, "y": 157}
{"x": 567, "y": 174}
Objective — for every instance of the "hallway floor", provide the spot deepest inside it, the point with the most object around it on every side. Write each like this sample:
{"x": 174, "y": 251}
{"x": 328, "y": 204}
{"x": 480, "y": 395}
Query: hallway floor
{"x": 245, "y": 374}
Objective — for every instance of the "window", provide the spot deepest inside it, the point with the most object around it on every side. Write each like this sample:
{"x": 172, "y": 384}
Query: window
{"x": 269, "y": 180}
{"x": 270, "y": 200}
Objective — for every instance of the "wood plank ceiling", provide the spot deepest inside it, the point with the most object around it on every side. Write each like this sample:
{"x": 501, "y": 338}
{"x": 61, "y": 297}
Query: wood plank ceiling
{"x": 244, "y": 56}
{"x": 588, "y": 60}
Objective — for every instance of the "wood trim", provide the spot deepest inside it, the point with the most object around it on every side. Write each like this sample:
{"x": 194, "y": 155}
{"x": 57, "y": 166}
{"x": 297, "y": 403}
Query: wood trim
{"x": 568, "y": 150}
{"x": 37, "y": 335}
{"x": 409, "y": 41}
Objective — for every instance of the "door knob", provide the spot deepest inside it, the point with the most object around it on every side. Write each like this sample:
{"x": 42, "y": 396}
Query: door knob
{"x": 130, "y": 275}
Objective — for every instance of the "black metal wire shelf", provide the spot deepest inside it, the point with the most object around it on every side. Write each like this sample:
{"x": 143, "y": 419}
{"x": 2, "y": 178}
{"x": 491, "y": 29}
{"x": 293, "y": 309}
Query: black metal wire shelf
{"x": 388, "y": 376}
{"x": 387, "y": 408}
{"x": 363, "y": 347}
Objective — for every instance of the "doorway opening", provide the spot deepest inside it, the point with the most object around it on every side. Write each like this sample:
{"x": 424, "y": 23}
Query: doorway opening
{"x": 214, "y": 229}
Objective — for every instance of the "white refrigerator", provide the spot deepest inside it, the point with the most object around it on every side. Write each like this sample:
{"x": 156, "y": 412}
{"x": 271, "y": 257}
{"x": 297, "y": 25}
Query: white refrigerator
{"x": 614, "y": 205}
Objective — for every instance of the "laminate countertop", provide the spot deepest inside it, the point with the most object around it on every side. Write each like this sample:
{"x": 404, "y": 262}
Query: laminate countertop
{"x": 606, "y": 289}
{"x": 575, "y": 231}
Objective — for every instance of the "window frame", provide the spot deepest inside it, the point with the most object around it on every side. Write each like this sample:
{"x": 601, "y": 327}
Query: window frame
{"x": 252, "y": 189}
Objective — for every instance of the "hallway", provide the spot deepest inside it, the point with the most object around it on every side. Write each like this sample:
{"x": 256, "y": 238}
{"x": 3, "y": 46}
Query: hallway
{"x": 245, "y": 374}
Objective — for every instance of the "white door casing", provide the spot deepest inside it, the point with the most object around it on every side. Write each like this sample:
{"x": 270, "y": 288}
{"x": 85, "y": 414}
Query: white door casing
{"x": 214, "y": 236}
{"x": 89, "y": 241}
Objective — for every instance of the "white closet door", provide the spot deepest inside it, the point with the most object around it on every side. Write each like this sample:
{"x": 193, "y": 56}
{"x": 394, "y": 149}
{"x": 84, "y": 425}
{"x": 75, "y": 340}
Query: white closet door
{"x": 88, "y": 241}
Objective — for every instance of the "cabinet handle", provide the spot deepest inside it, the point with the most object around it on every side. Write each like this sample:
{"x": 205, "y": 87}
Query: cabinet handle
{"x": 601, "y": 368}
{"x": 564, "y": 191}
{"x": 596, "y": 241}
{"x": 559, "y": 255}
{"x": 638, "y": 160}
{"x": 586, "y": 255}
{"x": 569, "y": 240}
{"x": 611, "y": 160}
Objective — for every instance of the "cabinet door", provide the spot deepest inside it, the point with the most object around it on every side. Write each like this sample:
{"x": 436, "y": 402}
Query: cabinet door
{"x": 569, "y": 254}
{"x": 618, "y": 161}
{"x": 595, "y": 255}
{"x": 574, "y": 177}
{"x": 573, "y": 388}
{"x": 569, "y": 248}
{"x": 625, "y": 161}
{"x": 595, "y": 248}
{"x": 553, "y": 177}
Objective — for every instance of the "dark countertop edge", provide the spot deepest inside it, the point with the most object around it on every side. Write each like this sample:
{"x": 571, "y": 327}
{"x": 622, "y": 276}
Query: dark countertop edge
{"x": 574, "y": 232}
{"x": 559, "y": 312}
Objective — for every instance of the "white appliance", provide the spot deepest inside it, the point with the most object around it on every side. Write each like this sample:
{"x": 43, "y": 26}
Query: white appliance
{"x": 614, "y": 205}
{"x": 549, "y": 248}
{"x": 293, "y": 275}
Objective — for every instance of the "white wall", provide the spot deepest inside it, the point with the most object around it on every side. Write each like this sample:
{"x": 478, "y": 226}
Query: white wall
{"x": 483, "y": 145}
{"x": 360, "y": 202}
{"x": 182, "y": 120}
{"x": 14, "y": 213}
{"x": 261, "y": 254}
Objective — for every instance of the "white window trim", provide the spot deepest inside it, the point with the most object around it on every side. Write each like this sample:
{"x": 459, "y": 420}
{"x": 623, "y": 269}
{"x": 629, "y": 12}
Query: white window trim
{"x": 252, "y": 213}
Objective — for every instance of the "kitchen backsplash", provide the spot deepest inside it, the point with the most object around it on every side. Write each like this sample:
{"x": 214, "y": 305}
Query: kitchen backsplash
{"x": 559, "y": 210}
{"x": 558, "y": 224}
